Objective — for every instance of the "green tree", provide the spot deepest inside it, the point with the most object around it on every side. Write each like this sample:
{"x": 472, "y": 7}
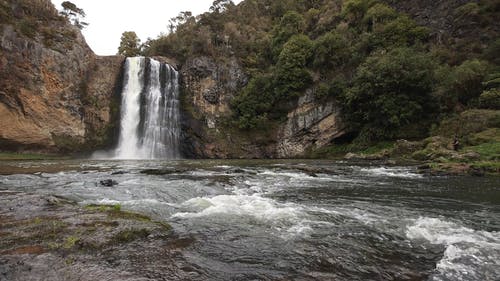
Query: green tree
{"x": 461, "y": 84}
{"x": 330, "y": 50}
{"x": 254, "y": 102}
{"x": 74, "y": 14}
{"x": 130, "y": 44}
{"x": 291, "y": 23}
{"x": 291, "y": 75}
{"x": 219, "y": 6}
{"x": 390, "y": 90}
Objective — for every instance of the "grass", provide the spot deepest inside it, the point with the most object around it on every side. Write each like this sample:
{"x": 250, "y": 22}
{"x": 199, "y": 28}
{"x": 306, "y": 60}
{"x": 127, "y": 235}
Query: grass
{"x": 339, "y": 150}
{"x": 30, "y": 156}
{"x": 488, "y": 151}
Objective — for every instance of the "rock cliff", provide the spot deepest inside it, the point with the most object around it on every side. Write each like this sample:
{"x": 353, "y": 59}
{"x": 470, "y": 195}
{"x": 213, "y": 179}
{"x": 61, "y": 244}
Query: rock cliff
{"x": 55, "y": 94}
{"x": 311, "y": 125}
{"x": 208, "y": 89}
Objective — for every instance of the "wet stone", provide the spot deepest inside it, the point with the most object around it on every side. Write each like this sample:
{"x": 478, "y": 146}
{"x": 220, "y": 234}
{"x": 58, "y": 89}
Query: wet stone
{"x": 108, "y": 182}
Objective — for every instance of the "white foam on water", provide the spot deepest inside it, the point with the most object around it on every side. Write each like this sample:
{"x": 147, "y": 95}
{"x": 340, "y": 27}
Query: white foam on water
{"x": 138, "y": 202}
{"x": 259, "y": 208}
{"x": 469, "y": 254}
{"x": 391, "y": 172}
{"x": 294, "y": 175}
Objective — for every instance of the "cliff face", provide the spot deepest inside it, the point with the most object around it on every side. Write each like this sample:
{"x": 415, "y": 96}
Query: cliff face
{"x": 311, "y": 125}
{"x": 55, "y": 95}
{"x": 208, "y": 89}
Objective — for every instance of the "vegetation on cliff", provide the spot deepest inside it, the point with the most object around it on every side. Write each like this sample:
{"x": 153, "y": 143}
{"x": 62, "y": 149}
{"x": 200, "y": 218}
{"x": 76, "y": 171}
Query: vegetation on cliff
{"x": 398, "y": 71}
{"x": 393, "y": 78}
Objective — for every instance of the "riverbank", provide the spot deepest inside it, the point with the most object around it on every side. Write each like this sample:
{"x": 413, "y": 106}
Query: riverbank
{"x": 51, "y": 238}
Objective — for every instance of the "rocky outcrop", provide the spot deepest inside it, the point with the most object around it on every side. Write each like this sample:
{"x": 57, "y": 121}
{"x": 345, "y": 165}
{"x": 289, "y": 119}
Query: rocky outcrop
{"x": 55, "y": 95}
{"x": 208, "y": 86}
{"x": 311, "y": 125}
{"x": 101, "y": 102}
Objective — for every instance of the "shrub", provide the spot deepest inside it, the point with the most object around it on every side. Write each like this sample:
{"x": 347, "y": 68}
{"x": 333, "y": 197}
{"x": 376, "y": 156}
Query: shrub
{"x": 291, "y": 77}
{"x": 291, "y": 23}
{"x": 28, "y": 27}
{"x": 390, "y": 90}
{"x": 463, "y": 83}
{"x": 252, "y": 104}
{"x": 330, "y": 50}
{"x": 490, "y": 99}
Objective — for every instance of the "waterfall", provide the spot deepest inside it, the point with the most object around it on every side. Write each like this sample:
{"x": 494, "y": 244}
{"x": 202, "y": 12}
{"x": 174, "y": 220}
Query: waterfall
{"x": 149, "y": 126}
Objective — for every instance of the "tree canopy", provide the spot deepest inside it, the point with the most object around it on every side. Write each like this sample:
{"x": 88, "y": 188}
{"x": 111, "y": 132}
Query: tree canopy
{"x": 130, "y": 44}
{"x": 74, "y": 14}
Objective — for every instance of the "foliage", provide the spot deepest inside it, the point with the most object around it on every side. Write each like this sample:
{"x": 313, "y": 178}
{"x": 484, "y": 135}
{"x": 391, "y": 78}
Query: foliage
{"x": 252, "y": 104}
{"x": 331, "y": 50}
{"x": 291, "y": 77}
{"x": 390, "y": 90}
{"x": 461, "y": 84}
{"x": 490, "y": 99}
{"x": 386, "y": 71}
{"x": 74, "y": 14}
{"x": 292, "y": 23}
{"x": 332, "y": 90}
{"x": 130, "y": 44}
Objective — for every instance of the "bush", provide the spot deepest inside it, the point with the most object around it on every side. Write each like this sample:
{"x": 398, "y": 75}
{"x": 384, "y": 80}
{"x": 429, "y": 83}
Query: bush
{"x": 28, "y": 27}
{"x": 291, "y": 76}
{"x": 292, "y": 23}
{"x": 379, "y": 14}
{"x": 389, "y": 91}
{"x": 330, "y": 50}
{"x": 400, "y": 32}
{"x": 463, "y": 83}
{"x": 490, "y": 99}
{"x": 253, "y": 103}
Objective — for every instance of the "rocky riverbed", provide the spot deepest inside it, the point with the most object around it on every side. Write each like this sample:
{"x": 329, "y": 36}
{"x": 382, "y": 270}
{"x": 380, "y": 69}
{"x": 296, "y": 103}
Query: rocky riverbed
{"x": 51, "y": 238}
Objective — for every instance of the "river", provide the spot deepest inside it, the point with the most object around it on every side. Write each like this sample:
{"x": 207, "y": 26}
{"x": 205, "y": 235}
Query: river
{"x": 295, "y": 219}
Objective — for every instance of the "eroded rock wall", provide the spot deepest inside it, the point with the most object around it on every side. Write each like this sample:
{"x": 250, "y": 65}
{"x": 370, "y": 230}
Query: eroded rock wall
{"x": 208, "y": 88}
{"x": 313, "y": 124}
{"x": 55, "y": 95}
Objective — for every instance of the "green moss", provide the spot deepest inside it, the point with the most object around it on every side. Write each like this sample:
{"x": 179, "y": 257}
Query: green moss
{"x": 70, "y": 242}
{"x": 104, "y": 208}
{"x": 130, "y": 235}
{"x": 490, "y": 167}
{"x": 378, "y": 147}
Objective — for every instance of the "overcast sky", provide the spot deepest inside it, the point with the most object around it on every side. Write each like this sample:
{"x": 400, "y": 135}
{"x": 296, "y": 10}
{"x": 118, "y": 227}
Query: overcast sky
{"x": 108, "y": 19}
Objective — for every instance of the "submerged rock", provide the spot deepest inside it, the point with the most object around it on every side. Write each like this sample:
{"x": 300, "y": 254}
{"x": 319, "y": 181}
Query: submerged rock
{"x": 108, "y": 182}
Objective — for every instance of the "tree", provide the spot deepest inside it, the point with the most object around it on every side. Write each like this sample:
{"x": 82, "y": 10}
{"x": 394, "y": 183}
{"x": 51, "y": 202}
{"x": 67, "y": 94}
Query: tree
{"x": 462, "y": 84}
{"x": 130, "y": 44}
{"x": 219, "y": 6}
{"x": 331, "y": 50}
{"x": 291, "y": 23}
{"x": 74, "y": 14}
{"x": 182, "y": 18}
{"x": 291, "y": 75}
{"x": 390, "y": 90}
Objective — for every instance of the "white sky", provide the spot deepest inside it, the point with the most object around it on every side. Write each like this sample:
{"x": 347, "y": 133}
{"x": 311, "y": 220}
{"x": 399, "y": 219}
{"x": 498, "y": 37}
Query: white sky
{"x": 108, "y": 19}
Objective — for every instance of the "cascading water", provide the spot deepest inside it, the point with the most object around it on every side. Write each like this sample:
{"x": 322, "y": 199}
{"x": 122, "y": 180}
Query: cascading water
{"x": 149, "y": 126}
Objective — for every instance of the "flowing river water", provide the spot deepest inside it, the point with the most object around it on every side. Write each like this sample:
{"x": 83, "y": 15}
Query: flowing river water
{"x": 295, "y": 220}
